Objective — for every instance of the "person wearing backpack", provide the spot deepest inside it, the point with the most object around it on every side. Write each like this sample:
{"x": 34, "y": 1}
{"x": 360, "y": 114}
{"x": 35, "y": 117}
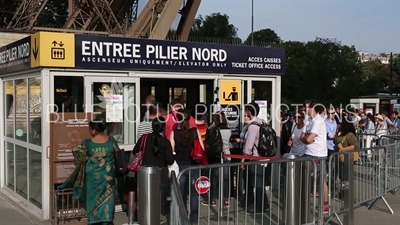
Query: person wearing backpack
{"x": 217, "y": 143}
{"x": 255, "y": 202}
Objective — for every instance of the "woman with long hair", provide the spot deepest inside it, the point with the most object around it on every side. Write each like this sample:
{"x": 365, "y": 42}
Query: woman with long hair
{"x": 345, "y": 140}
{"x": 157, "y": 152}
{"x": 217, "y": 144}
{"x": 182, "y": 139}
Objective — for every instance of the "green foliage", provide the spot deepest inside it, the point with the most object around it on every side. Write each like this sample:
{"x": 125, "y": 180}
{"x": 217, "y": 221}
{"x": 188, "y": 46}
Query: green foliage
{"x": 263, "y": 36}
{"x": 214, "y": 28}
{"x": 55, "y": 14}
{"x": 330, "y": 72}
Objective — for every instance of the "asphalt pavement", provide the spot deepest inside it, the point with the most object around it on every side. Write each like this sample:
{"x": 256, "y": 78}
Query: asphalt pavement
{"x": 14, "y": 212}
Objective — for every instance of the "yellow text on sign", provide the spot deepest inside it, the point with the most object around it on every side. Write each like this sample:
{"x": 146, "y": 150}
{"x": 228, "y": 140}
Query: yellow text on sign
{"x": 52, "y": 50}
{"x": 230, "y": 92}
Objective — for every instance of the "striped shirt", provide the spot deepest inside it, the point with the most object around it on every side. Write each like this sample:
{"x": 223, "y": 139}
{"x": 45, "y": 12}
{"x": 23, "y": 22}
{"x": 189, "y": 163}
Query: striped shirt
{"x": 203, "y": 130}
{"x": 144, "y": 128}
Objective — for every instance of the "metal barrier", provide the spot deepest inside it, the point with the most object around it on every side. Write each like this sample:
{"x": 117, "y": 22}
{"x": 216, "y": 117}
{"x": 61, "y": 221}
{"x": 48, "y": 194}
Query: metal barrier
{"x": 253, "y": 204}
{"x": 65, "y": 209}
{"x": 178, "y": 213}
{"x": 378, "y": 175}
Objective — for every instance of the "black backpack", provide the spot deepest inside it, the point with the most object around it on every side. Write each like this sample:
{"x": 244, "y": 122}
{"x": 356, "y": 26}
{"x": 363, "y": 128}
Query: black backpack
{"x": 267, "y": 140}
{"x": 214, "y": 151}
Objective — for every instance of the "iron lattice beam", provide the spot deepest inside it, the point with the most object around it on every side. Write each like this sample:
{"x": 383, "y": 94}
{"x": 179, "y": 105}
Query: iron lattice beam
{"x": 26, "y": 15}
{"x": 106, "y": 16}
{"x": 112, "y": 16}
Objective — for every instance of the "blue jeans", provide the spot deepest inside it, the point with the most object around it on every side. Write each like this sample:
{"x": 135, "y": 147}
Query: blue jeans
{"x": 186, "y": 181}
{"x": 256, "y": 180}
{"x": 215, "y": 182}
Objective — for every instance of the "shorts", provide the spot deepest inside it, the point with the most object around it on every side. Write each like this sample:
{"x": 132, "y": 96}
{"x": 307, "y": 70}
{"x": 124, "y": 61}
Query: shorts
{"x": 318, "y": 164}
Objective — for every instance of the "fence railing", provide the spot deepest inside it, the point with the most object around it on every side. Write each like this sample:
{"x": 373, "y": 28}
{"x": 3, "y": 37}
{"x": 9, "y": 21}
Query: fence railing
{"x": 178, "y": 207}
{"x": 274, "y": 191}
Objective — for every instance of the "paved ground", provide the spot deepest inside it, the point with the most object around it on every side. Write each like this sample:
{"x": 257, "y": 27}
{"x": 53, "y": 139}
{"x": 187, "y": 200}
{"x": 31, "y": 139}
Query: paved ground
{"x": 14, "y": 213}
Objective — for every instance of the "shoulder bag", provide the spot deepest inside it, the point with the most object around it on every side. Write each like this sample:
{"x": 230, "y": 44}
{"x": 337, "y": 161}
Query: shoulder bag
{"x": 120, "y": 159}
{"x": 137, "y": 158}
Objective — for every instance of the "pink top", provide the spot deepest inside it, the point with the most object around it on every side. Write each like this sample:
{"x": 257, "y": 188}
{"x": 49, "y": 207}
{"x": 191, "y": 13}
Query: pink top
{"x": 171, "y": 120}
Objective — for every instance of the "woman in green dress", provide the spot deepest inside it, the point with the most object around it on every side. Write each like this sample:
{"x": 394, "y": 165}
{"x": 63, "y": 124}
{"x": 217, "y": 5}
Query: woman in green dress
{"x": 99, "y": 169}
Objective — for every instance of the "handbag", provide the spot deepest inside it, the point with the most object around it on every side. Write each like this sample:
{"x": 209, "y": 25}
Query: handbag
{"x": 137, "y": 159}
{"x": 173, "y": 167}
{"x": 198, "y": 155}
{"x": 341, "y": 156}
{"x": 119, "y": 159}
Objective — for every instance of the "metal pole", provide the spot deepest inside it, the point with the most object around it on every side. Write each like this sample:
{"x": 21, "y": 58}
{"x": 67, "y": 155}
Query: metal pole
{"x": 221, "y": 187}
{"x": 348, "y": 188}
{"x": 131, "y": 210}
{"x": 149, "y": 196}
{"x": 293, "y": 174}
{"x": 305, "y": 192}
{"x": 252, "y": 22}
{"x": 391, "y": 73}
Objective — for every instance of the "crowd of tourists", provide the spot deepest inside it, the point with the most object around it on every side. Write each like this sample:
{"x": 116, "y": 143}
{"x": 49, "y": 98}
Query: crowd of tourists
{"x": 169, "y": 135}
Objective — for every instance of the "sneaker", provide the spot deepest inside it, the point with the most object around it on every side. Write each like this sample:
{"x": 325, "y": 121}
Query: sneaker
{"x": 207, "y": 203}
{"x": 316, "y": 194}
{"x": 326, "y": 209}
{"x": 226, "y": 204}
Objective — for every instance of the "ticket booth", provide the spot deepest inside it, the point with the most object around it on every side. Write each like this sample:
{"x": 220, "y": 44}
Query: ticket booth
{"x": 52, "y": 84}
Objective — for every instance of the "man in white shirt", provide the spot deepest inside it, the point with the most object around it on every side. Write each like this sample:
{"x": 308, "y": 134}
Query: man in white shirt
{"x": 315, "y": 137}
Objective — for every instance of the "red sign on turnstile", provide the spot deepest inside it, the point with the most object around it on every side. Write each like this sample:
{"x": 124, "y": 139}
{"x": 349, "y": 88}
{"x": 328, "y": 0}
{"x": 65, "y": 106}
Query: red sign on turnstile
{"x": 202, "y": 185}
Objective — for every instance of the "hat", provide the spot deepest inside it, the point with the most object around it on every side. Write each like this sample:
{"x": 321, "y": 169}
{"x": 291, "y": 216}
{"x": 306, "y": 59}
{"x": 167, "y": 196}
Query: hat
{"x": 379, "y": 117}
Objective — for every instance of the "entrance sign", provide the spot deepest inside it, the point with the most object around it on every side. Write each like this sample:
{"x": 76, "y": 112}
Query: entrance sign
{"x": 65, "y": 50}
{"x": 230, "y": 92}
{"x": 202, "y": 185}
{"x": 15, "y": 56}
{"x": 101, "y": 52}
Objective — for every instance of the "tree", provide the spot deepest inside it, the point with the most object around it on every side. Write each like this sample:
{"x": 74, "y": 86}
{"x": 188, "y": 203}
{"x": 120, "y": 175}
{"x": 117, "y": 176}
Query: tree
{"x": 214, "y": 28}
{"x": 54, "y": 14}
{"x": 323, "y": 69}
{"x": 7, "y": 10}
{"x": 266, "y": 36}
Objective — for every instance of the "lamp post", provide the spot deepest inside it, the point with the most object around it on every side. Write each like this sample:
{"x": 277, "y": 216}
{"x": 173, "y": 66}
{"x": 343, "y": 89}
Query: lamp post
{"x": 252, "y": 22}
{"x": 391, "y": 73}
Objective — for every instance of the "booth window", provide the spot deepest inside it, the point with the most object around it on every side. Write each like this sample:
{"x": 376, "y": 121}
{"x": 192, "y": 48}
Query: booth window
{"x": 115, "y": 104}
{"x": 262, "y": 91}
{"x": 9, "y": 108}
{"x": 35, "y": 110}
{"x": 68, "y": 94}
{"x": 35, "y": 178}
{"x": 21, "y": 106}
{"x": 9, "y": 165}
{"x": 21, "y": 168}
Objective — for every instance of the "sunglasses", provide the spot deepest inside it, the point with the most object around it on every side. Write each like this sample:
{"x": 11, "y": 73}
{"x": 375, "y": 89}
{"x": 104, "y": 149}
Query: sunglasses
{"x": 331, "y": 113}
{"x": 298, "y": 117}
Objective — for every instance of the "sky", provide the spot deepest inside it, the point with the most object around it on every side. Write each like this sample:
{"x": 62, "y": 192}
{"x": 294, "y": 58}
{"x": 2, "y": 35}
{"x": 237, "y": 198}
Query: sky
{"x": 371, "y": 26}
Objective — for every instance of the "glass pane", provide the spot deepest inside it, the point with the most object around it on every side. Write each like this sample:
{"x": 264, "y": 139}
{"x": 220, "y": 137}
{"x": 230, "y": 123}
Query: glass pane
{"x": 22, "y": 170}
{"x": 114, "y": 103}
{"x": 262, "y": 91}
{"x": 68, "y": 94}
{"x": 9, "y": 108}
{"x": 35, "y": 178}
{"x": 21, "y": 106}
{"x": 9, "y": 165}
{"x": 35, "y": 108}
